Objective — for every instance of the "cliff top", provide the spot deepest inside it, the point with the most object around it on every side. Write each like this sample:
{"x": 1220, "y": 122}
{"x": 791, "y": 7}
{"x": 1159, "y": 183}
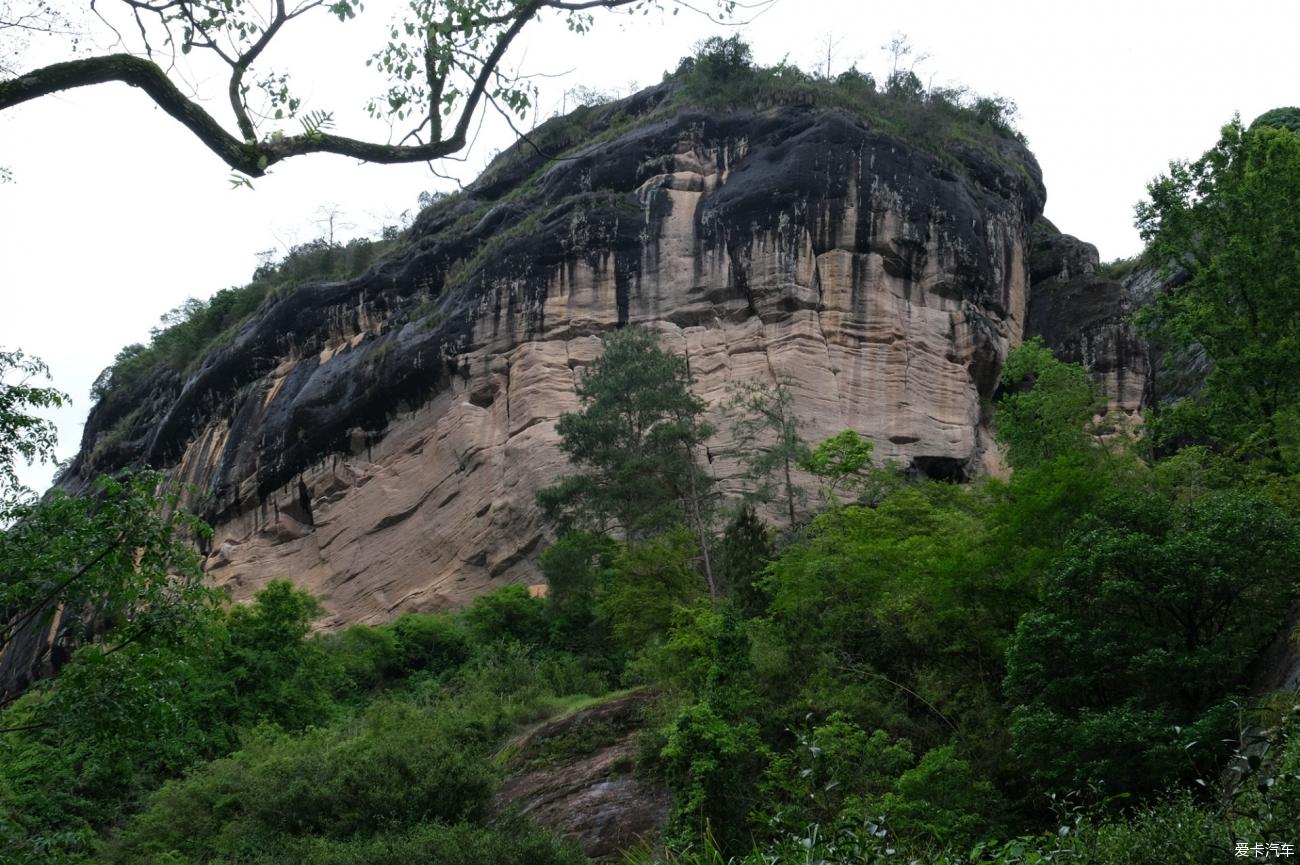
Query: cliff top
{"x": 585, "y": 161}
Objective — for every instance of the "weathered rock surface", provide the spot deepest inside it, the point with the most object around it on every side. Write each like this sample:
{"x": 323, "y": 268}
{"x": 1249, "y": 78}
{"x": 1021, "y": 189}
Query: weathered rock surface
{"x": 379, "y": 441}
{"x": 1086, "y": 318}
{"x": 576, "y": 776}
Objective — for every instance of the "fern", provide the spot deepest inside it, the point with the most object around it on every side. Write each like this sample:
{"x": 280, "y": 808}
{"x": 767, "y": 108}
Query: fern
{"x": 315, "y": 123}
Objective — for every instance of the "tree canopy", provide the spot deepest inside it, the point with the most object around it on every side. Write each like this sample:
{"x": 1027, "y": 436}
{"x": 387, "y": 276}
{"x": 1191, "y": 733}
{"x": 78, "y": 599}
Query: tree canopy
{"x": 1228, "y": 222}
{"x": 637, "y": 440}
{"x": 442, "y": 62}
{"x": 23, "y": 435}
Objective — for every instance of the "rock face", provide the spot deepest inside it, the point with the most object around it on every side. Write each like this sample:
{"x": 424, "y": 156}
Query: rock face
{"x": 1085, "y": 318}
{"x": 379, "y": 441}
{"x": 576, "y": 775}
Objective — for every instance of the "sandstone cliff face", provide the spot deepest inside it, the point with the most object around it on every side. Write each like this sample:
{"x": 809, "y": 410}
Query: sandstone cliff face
{"x": 379, "y": 441}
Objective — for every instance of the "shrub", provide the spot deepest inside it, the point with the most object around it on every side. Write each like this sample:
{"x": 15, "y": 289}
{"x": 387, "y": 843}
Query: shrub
{"x": 713, "y": 766}
{"x": 944, "y": 801}
{"x": 277, "y": 673}
{"x": 508, "y": 843}
{"x": 367, "y": 657}
{"x": 508, "y": 613}
{"x": 392, "y": 769}
{"x": 435, "y": 643}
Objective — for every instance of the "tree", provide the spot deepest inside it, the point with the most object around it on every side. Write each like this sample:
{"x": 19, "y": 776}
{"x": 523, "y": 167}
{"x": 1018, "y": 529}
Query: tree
{"x": 22, "y": 19}
{"x": 443, "y": 60}
{"x": 646, "y": 584}
{"x": 119, "y": 566}
{"x": 1151, "y": 619}
{"x": 843, "y": 462}
{"x": 329, "y": 218}
{"x": 903, "y": 81}
{"x": 23, "y": 435}
{"x": 576, "y": 567}
{"x": 1279, "y": 118}
{"x": 638, "y": 438}
{"x": 1046, "y": 406}
{"x": 745, "y": 551}
{"x": 1228, "y": 221}
{"x": 766, "y": 412}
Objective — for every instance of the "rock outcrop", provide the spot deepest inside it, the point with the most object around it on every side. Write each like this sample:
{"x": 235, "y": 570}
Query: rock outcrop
{"x": 1086, "y": 318}
{"x": 379, "y": 440}
{"x": 577, "y": 775}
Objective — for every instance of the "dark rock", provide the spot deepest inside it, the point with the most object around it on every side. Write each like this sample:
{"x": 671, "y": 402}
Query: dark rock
{"x": 1085, "y": 318}
{"x": 586, "y": 788}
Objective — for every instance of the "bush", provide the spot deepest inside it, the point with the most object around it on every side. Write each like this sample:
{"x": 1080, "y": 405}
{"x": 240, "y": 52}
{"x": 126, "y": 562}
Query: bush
{"x": 434, "y": 643}
{"x": 508, "y": 843}
{"x": 392, "y": 769}
{"x": 279, "y": 674}
{"x": 367, "y": 657}
{"x": 943, "y": 801}
{"x": 713, "y": 766}
{"x": 836, "y": 771}
{"x": 508, "y": 613}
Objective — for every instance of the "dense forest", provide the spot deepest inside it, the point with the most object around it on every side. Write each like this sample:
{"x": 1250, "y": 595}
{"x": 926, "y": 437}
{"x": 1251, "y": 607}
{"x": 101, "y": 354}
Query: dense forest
{"x": 851, "y": 664}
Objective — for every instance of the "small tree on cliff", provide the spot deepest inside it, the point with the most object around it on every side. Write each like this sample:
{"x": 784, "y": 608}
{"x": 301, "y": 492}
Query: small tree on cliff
{"x": 636, "y": 441}
{"x": 442, "y": 61}
{"x": 768, "y": 442}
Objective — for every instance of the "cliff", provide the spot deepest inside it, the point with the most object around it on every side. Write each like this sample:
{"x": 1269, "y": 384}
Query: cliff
{"x": 379, "y": 440}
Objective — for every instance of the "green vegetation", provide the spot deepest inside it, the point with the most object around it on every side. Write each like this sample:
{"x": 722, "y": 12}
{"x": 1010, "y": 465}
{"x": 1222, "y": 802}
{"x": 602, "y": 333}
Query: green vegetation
{"x": 23, "y": 436}
{"x": 638, "y": 438}
{"x": 1228, "y": 221}
{"x": 187, "y": 333}
{"x": 1059, "y": 666}
{"x": 920, "y": 668}
{"x": 1279, "y": 118}
{"x": 1047, "y": 411}
{"x": 721, "y": 76}
{"x": 238, "y": 737}
{"x": 767, "y": 440}
{"x": 1120, "y": 269}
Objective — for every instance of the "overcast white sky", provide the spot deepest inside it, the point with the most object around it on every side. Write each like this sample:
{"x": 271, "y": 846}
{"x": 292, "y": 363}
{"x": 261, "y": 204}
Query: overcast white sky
{"x": 116, "y": 214}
